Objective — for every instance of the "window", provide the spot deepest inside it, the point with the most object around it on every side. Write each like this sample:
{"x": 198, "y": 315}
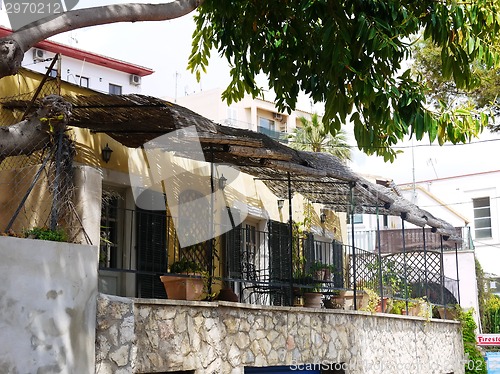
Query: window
{"x": 358, "y": 218}
{"x": 268, "y": 127}
{"x": 52, "y": 73}
{"x": 114, "y": 89}
{"x": 108, "y": 254}
{"x": 267, "y": 124}
{"x": 232, "y": 116}
{"x": 482, "y": 217}
{"x": 83, "y": 81}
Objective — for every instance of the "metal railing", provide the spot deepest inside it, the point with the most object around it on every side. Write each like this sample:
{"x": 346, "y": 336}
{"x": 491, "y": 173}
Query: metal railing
{"x": 276, "y": 135}
{"x": 392, "y": 239}
{"x": 257, "y": 264}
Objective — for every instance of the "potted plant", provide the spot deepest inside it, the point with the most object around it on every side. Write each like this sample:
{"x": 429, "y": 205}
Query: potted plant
{"x": 398, "y": 307}
{"x": 318, "y": 270}
{"x": 185, "y": 281}
{"x": 420, "y": 307}
{"x": 313, "y": 297}
{"x": 371, "y": 302}
{"x": 321, "y": 271}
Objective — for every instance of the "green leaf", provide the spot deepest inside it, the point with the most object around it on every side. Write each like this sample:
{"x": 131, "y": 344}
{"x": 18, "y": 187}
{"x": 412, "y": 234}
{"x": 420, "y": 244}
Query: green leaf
{"x": 471, "y": 44}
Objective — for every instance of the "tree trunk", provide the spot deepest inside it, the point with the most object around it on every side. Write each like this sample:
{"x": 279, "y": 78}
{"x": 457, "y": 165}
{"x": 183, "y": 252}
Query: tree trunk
{"x": 13, "y": 47}
{"x": 34, "y": 133}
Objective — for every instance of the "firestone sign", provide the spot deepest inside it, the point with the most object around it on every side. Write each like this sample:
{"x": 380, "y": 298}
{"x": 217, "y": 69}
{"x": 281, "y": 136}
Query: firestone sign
{"x": 488, "y": 339}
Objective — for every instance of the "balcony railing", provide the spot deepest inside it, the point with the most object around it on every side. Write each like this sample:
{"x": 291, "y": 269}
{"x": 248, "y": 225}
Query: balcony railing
{"x": 260, "y": 265}
{"x": 391, "y": 240}
{"x": 276, "y": 135}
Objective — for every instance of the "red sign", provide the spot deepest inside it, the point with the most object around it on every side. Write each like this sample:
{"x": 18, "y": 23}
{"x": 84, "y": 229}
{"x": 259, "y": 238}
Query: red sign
{"x": 488, "y": 339}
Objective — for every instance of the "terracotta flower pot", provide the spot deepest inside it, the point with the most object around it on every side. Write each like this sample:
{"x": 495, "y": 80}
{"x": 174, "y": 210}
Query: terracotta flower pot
{"x": 382, "y": 305}
{"x": 182, "y": 288}
{"x": 313, "y": 299}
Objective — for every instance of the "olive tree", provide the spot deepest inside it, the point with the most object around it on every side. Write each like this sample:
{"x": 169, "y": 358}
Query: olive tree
{"x": 349, "y": 55}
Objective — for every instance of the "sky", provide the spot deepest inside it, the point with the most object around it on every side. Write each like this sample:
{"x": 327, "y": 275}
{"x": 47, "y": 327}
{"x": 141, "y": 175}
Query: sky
{"x": 165, "y": 47}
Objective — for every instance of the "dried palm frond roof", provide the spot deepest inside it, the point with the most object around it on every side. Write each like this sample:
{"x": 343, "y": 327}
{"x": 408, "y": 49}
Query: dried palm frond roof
{"x": 134, "y": 120}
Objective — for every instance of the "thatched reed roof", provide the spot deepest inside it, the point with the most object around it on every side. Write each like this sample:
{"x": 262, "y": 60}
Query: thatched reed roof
{"x": 134, "y": 120}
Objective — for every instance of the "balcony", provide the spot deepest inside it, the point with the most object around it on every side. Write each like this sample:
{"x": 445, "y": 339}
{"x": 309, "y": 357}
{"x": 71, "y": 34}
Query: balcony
{"x": 282, "y": 137}
{"x": 259, "y": 268}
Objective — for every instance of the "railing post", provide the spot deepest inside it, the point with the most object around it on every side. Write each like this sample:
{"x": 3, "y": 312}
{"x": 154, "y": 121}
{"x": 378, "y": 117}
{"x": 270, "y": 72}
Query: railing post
{"x": 442, "y": 277}
{"x": 381, "y": 282}
{"x": 458, "y": 278}
{"x": 211, "y": 224}
{"x": 290, "y": 231}
{"x": 403, "y": 216}
{"x": 425, "y": 265}
{"x": 351, "y": 185}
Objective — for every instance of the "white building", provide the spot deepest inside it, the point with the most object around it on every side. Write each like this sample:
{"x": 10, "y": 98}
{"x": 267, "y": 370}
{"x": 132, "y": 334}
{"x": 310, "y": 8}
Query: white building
{"x": 462, "y": 283}
{"x": 87, "y": 69}
{"x": 257, "y": 114}
{"x": 475, "y": 198}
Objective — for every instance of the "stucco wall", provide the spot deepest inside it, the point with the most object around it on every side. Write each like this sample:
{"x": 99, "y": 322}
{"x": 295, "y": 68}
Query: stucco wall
{"x": 47, "y": 307}
{"x": 146, "y": 336}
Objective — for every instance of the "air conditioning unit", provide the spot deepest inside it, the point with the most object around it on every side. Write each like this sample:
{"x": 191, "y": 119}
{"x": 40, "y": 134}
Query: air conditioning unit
{"x": 277, "y": 117}
{"x": 38, "y": 54}
{"x": 135, "y": 80}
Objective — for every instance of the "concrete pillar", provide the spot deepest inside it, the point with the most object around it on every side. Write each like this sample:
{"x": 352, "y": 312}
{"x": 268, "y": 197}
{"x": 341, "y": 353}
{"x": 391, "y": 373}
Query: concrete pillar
{"x": 87, "y": 199}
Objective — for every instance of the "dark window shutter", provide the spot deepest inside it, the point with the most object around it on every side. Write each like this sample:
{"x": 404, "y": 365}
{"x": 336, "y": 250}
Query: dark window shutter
{"x": 338, "y": 261}
{"x": 233, "y": 240}
{"x": 151, "y": 234}
{"x": 279, "y": 259}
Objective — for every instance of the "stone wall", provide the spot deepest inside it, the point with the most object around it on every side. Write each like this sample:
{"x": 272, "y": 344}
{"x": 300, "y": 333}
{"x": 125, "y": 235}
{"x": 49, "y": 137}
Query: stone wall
{"x": 147, "y": 336}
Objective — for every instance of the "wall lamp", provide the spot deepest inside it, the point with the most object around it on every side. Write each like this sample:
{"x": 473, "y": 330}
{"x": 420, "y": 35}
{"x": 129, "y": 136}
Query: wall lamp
{"x": 322, "y": 217}
{"x": 281, "y": 202}
{"x": 222, "y": 182}
{"x": 106, "y": 153}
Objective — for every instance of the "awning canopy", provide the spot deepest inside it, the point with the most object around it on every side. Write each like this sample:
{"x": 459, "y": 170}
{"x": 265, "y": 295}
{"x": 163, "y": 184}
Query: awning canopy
{"x": 134, "y": 120}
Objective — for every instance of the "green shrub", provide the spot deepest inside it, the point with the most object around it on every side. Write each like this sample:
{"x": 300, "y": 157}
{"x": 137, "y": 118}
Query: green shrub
{"x": 492, "y": 315}
{"x": 44, "y": 233}
{"x": 475, "y": 362}
{"x": 184, "y": 266}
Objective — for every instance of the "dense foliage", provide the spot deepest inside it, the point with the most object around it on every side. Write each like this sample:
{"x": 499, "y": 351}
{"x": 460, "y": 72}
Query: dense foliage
{"x": 475, "y": 362}
{"x": 492, "y": 315}
{"x": 350, "y": 55}
{"x": 482, "y": 92}
{"x": 44, "y": 233}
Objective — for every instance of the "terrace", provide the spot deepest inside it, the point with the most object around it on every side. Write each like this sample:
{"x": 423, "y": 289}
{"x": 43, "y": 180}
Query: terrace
{"x": 259, "y": 267}
{"x": 268, "y": 264}
{"x": 259, "y": 262}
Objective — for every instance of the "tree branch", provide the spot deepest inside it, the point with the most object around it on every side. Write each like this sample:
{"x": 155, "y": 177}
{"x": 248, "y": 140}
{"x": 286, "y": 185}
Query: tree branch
{"x": 13, "y": 47}
{"x": 34, "y": 133}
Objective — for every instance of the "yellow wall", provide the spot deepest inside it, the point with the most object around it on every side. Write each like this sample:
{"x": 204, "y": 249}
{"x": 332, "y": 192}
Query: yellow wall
{"x": 89, "y": 145}
{"x": 16, "y": 173}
